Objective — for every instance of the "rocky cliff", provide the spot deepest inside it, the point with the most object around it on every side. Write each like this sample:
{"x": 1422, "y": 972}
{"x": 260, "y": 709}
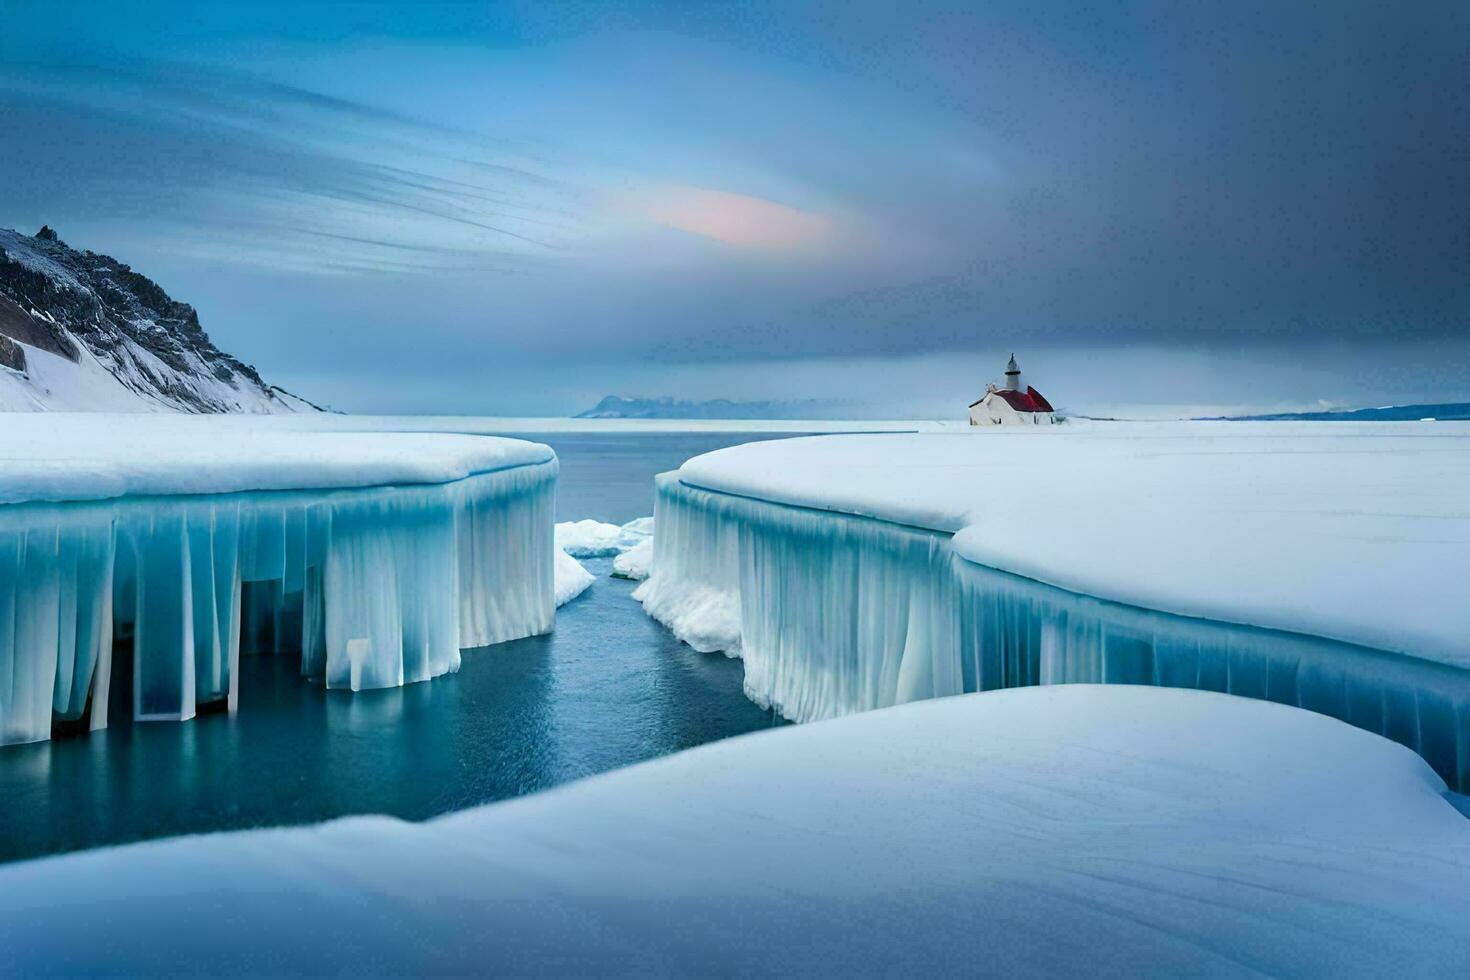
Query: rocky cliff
{"x": 81, "y": 331}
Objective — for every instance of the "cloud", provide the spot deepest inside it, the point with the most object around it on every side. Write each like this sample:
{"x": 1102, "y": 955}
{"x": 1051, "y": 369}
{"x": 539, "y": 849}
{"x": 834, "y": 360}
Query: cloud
{"x": 254, "y": 170}
{"x": 735, "y": 219}
{"x": 681, "y": 184}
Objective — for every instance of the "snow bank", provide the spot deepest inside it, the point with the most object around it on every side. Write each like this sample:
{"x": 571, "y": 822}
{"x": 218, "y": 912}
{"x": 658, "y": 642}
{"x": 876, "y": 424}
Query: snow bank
{"x": 1122, "y": 830}
{"x": 50, "y": 456}
{"x": 188, "y": 534}
{"x": 1282, "y": 561}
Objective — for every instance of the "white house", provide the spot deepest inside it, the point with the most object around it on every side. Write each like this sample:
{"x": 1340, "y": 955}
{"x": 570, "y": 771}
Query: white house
{"x": 1009, "y": 405}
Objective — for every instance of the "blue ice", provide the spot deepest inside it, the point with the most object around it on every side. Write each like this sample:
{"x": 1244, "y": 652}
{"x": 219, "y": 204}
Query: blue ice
{"x": 376, "y": 587}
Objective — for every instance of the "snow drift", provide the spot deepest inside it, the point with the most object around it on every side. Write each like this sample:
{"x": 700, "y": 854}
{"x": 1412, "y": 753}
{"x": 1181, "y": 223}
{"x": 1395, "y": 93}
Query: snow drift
{"x": 1134, "y": 830}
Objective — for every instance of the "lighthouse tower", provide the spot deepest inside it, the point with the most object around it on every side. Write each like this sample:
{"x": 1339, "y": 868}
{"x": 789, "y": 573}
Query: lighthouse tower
{"x": 1013, "y": 376}
{"x": 1009, "y": 405}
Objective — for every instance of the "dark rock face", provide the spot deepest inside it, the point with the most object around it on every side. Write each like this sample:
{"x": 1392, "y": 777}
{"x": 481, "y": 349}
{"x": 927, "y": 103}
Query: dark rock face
{"x": 11, "y": 354}
{"x": 62, "y": 300}
{"x": 17, "y": 324}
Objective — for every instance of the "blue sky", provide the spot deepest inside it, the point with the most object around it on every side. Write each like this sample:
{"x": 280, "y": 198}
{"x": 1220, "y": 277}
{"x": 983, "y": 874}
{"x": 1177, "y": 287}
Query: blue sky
{"x": 507, "y": 208}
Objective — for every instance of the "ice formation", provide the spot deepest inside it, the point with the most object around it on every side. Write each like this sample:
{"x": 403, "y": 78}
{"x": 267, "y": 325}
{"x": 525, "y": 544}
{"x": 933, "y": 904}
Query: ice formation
{"x": 636, "y": 562}
{"x": 596, "y": 539}
{"x": 1315, "y": 564}
{"x": 380, "y": 557}
{"x": 571, "y": 578}
{"x": 1123, "y": 830}
{"x": 630, "y": 545}
{"x": 588, "y": 538}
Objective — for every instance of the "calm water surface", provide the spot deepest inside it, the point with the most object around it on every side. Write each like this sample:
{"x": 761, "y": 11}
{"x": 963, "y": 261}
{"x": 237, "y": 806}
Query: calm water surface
{"x": 608, "y": 688}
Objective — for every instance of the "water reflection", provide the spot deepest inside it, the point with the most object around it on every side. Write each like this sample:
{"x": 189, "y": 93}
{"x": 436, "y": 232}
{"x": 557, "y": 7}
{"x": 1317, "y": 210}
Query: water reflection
{"x": 608, "y": 688}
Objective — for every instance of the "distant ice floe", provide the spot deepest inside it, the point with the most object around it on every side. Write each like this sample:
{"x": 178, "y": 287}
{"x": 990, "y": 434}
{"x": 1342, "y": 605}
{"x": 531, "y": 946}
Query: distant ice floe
{"x": 629, "y": 545}
{"x": 595, "y": 539}
{"x": 1118, "y": 830}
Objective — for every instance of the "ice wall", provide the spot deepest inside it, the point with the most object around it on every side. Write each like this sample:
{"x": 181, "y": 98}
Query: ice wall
{"x": 834, "y": 614}
{"x": 377, "y": 586}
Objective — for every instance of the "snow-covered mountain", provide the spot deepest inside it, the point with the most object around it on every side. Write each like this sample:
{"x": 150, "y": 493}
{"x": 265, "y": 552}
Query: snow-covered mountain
{"x": 83, "y": 332}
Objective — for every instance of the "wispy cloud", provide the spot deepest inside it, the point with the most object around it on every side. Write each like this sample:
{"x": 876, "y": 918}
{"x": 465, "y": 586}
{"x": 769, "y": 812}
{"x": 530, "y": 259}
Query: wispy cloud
{"x": 735, "y": 219}
{"x": 269, "y": 172}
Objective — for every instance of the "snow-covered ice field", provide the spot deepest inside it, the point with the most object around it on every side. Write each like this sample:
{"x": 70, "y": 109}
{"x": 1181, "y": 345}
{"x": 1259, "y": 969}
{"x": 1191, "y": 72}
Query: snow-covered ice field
{"x": 1133, "y": 830}
{"x": 1355, "y": 531}
{"x": 378, "y": 555}
{"x": 858, "y": 571}
{"x": 1026, "y": 831}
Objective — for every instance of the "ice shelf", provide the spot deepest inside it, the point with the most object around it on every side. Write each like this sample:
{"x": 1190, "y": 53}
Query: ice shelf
{"x": 197, "y": 540}
{"x": 1317, "y": 565}
{"x": 1018, "y": 833}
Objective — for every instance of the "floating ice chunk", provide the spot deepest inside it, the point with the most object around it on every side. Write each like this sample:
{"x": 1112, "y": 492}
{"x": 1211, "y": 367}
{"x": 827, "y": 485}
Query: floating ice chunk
{"x": 571, "y": 578}
{"x": 1108, "y": 830}
{"x": 588, "y": 538}
{"x": 596, "y": 539}
{"x": 638, "y": 529}
{"x": 635, "y": 562}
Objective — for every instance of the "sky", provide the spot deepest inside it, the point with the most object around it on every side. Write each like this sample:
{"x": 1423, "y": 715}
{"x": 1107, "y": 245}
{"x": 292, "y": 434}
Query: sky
{"x": 512, "y": 208}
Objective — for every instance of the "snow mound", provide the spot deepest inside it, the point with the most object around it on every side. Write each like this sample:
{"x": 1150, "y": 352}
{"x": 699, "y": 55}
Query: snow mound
{"x": 571, "y": 579}
{"x": 1040, "y": 831}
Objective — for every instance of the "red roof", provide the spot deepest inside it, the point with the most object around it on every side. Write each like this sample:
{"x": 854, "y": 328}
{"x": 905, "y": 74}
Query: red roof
{"x": 1029, "y": 401}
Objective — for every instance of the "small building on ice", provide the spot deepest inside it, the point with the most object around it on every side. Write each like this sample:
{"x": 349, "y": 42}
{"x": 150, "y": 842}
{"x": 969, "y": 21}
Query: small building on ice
{"x": 1009, "y": 405}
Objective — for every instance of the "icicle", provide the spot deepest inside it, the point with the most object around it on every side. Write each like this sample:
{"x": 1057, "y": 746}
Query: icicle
{"x": 375, "y": 586}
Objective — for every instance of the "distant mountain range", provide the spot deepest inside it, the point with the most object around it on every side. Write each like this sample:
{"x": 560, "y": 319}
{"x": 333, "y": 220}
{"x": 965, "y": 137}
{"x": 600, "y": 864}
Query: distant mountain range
{"x": 1442, "y": 411}
{"x": 83, "y": 332}
{"x": 618, "y": 407}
